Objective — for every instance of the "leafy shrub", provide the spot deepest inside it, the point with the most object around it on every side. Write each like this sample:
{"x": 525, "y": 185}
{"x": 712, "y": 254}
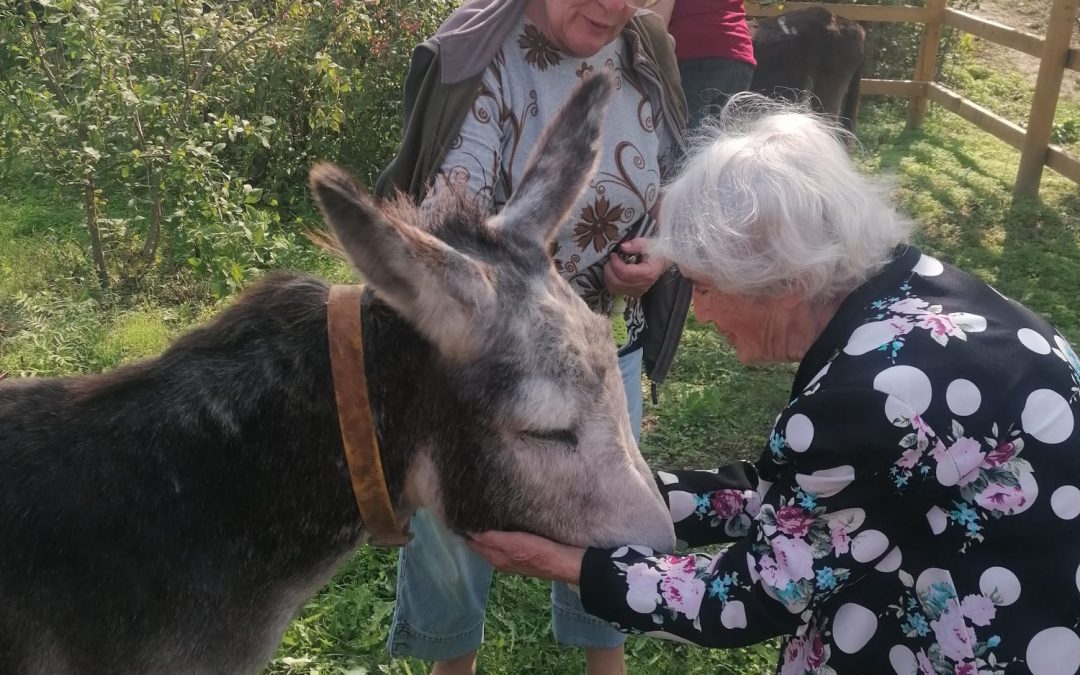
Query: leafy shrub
{"x": 185, "y": 127}
{"x": 1067, "y": 132}
{"x": 53, "y": 334}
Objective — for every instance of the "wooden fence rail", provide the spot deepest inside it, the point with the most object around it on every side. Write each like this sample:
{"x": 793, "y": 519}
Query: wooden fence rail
{"x": 1053, "y": 50}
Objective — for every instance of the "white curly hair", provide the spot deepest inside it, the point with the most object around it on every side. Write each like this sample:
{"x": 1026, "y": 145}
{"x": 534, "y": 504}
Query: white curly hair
{"x": 768, "y": 203}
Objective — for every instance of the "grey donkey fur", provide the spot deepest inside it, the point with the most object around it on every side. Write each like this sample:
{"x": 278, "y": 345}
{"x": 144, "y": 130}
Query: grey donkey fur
{"x": 173, "y": 516}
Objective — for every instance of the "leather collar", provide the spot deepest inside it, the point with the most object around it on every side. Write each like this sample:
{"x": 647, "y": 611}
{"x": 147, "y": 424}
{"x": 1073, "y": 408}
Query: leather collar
{"x": 343, "y": 313}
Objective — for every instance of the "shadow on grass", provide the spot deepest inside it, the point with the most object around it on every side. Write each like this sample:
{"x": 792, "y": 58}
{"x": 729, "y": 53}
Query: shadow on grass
{"x": 957, "y": 183}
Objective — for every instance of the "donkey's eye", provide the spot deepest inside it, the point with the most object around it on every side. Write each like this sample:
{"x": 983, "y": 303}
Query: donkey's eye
{"x": 561, "y": 436}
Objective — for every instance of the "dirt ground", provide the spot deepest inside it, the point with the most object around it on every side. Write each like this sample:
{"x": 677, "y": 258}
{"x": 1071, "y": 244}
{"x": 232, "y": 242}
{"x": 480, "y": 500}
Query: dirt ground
{"x": 1029, "y": 16}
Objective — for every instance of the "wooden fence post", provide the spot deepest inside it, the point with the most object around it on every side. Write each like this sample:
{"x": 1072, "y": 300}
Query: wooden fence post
{"x": 924, "y": 66}
{"x": 1055, "y": 53}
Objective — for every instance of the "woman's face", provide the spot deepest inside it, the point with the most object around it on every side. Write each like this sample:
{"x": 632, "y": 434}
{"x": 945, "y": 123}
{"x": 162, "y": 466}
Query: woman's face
{"x": 761, "y": 329}
{"x": 580, "y": 27}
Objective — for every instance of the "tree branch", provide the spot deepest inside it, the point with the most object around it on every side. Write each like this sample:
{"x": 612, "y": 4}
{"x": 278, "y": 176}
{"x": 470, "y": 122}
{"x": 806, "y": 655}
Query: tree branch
{"x": 252, "y": 33}
{"x": 183, "y": 44}
{"x": 207, "y": 52}
{"x": 51, "y": 82}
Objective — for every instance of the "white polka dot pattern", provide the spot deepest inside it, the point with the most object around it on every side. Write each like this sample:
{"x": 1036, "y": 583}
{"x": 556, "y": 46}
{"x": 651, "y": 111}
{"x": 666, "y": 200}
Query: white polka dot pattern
{"x": 928, "y": 266}
{"x": 902, "y": 660}
{"x": 733, "y": 615}
{"x": 1033, "y": 341}
{"x": 937, "y": 519}
{"x": 891, "y": 562}
{"x": 868, "y": 545}
{"x": 1047, "y": 416}
{"x": 799, "y": 433}
{"x": 681, "y": 504}
{"x": 963, "y": 397}
{"x": 1065, "y": 502}
{"x": 1054, "y": 651}
{"x": 827, "y": 482}
{"x": 1000, "y": 585}
{"x": 853, "y": 627}
{"x": 907, "y": 383}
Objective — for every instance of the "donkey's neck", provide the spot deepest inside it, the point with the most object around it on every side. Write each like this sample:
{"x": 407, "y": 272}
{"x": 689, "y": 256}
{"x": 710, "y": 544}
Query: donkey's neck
{"x": 407, "y": 402}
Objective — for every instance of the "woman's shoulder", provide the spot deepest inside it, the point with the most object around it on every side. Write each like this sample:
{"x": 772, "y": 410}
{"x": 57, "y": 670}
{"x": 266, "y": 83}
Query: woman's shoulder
{"x": 950, "y": 339}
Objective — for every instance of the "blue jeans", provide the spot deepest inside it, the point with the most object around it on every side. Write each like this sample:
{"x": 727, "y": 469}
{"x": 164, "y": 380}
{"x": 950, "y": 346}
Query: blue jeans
{"x": 442, "y": 586}
{"x": 709, "y": 83}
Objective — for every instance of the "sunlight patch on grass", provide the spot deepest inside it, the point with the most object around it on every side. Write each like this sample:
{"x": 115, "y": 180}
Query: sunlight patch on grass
{"x": 956, "y": 181}
{"x": 142, "y": 333}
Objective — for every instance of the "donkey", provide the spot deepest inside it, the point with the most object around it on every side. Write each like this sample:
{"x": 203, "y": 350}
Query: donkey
{"x": 811, "y": 54}
{"x": 173, "y": 516}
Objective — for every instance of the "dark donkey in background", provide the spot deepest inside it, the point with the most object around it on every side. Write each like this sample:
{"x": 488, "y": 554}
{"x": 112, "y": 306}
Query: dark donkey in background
{"x": 174, "y": 515}
{"x": 811, "y": 55}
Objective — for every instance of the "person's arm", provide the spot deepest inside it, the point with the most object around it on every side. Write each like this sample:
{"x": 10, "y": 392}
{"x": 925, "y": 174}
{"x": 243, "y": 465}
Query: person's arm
{"x": 836, "y": 519}
{"x": 713, "y": 506}
{"x": 856, "y": 489}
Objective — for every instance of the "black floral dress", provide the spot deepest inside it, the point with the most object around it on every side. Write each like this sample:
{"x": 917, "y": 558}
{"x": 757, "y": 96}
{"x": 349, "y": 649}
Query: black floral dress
{"x": 915, "y": 510}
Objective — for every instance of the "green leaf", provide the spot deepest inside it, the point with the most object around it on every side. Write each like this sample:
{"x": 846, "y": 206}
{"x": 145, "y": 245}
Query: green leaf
{"x": 236, "y": 273}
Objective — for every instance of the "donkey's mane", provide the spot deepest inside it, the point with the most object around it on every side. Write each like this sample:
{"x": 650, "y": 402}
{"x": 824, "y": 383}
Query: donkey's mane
{"x": 270, "y": 327}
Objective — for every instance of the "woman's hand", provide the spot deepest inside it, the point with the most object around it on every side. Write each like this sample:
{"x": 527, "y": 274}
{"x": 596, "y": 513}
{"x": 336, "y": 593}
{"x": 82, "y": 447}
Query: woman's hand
{"x": 632, "y": 278}
{"x": 529, "y": 555}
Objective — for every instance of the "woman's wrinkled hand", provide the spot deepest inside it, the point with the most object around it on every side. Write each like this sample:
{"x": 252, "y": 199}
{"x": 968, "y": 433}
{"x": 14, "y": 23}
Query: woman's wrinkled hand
{"x": 529, "y": 555}
{"x": 629, "y": 271}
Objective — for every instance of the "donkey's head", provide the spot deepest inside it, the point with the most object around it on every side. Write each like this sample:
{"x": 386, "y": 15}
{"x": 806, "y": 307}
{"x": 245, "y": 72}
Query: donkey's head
{"x": 538, "y": 438}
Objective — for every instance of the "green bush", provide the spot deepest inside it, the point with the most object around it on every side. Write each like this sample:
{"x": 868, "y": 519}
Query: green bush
{"x": 185, "y": 128}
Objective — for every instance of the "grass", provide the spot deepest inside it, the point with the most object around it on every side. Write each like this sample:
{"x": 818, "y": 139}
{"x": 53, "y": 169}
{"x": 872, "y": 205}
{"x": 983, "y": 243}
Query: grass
{"x": 986, "y": 76}
{"x": 953, "y": 179}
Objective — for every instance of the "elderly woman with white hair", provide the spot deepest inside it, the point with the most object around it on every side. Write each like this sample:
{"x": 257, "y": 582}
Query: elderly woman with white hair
{"x": 915, "y": 509}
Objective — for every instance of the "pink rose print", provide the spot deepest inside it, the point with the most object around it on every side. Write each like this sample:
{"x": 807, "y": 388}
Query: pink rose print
{"x": 803, "y": 655}
{"x": 681, "y": 589}
{"x": 939, "y": 325}
{"x": 793, "y": 562}
{"x": 794, "y": 520}
{"x": 967, "y": 453}
{"x": 815, "y": 656}
{"x": 979, "y": 609}
{"x": 899, "y": 325}
{"x": 1000, "y": 454}
{"x": 908, "y": 306}
{"x": 966, "y": 669}
{"x": 839, "y": 539}
{"x": 954, "y": 636}
{"x": 920, "y": 425}
{"x": 753, "y": 503}
{"x": 1004, "y": 498}
{"x": 670, "y": 563}
{"x": 641, "y": 588}
{"x": 794, "y": 658}
{"x": 910, "y": 458}
{"x": 944, "y": 326}
{"x": 727, "y": 503}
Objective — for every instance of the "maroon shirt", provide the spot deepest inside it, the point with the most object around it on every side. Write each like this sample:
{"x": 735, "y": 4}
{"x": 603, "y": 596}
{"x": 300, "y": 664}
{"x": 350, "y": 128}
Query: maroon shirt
{"x": 711, "y": 29}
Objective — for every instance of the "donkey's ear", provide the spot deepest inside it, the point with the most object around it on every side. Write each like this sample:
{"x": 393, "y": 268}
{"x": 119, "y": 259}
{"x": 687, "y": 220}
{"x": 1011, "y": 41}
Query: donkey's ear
{"x": 560, "y": 165}
{"x": 437, "y": 289}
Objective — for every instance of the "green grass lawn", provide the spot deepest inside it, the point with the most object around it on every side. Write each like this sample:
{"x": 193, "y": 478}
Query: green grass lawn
{"x": 955, "y": 180}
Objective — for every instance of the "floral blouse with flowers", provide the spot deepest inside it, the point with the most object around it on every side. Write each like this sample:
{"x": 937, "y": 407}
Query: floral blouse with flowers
{"x": 916, "y": 509}
{"x": 525, "y": 86}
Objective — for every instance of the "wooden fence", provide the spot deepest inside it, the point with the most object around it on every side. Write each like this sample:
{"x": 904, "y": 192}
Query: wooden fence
{"x": 1053, "y": 49}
